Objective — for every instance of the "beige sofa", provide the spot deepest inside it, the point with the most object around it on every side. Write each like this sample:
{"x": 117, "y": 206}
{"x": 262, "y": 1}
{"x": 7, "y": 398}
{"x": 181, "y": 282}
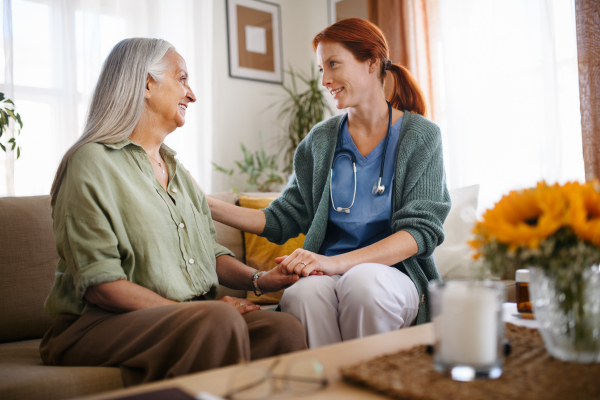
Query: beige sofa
{"x": 27, "y": 262}
{"x": 28, "y": 259}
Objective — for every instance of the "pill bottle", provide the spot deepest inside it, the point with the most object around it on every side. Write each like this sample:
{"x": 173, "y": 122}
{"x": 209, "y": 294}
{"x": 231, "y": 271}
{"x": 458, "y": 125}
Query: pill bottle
{"x": 523, "y": 303}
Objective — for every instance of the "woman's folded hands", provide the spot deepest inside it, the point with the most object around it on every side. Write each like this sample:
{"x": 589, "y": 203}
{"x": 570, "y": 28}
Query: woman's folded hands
{"x": 305, "y": 263}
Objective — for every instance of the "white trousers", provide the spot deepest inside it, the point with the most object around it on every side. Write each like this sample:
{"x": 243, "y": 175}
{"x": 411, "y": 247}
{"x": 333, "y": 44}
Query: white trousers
{"x": 368, "y": 299}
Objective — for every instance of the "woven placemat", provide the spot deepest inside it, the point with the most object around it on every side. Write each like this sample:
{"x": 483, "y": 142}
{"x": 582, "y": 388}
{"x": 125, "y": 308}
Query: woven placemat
{"x": 529, "y": 372}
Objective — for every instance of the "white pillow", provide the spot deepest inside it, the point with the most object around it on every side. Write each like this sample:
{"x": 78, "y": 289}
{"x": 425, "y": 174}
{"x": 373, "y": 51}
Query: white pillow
{"x": 453, "y": 258}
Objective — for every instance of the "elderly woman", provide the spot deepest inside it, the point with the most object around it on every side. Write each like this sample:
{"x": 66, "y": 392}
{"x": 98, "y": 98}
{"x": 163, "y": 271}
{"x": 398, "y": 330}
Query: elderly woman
{"x": 139, "y": 261}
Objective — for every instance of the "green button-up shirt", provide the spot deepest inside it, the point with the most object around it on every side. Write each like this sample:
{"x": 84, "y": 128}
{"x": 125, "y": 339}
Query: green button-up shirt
{"x": 113, "y": 220}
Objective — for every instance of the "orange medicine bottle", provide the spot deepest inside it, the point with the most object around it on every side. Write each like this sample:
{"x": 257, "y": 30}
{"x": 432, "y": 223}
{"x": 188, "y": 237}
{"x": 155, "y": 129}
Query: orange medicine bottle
{"x": 523, "y": 303}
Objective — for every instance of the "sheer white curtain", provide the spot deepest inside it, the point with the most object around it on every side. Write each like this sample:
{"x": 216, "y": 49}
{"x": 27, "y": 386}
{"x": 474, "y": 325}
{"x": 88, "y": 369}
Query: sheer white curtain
{"x": 509, "y": 94}
{"x": 58, "y": 50}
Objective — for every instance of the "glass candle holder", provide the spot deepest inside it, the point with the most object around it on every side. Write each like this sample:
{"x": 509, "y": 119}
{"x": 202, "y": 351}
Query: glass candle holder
{"x": 469, "y": 331}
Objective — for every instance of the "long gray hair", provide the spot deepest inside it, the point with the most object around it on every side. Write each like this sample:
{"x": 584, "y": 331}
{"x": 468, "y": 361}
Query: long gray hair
{"x": 118, "y": 100}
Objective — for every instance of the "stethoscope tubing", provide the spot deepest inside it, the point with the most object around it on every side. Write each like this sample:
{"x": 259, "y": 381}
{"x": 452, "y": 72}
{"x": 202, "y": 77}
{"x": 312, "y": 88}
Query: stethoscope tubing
{"x": 380, "y": 188}
{"x": 342, "y": 209}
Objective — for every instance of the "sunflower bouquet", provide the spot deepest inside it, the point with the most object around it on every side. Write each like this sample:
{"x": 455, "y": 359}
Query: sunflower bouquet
{"x": 556, "y": 228}
{"x": 553, "y": 229}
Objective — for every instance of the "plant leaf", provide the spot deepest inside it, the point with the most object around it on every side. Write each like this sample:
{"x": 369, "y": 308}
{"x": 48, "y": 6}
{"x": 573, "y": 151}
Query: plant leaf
{"x": 300, "y": 111}
{"x": 11, "y": 114}
{"x": 223, "y": 170}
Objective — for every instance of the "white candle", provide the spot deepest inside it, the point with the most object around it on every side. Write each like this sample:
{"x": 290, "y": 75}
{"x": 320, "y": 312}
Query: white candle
{"x": 468, "y": 326}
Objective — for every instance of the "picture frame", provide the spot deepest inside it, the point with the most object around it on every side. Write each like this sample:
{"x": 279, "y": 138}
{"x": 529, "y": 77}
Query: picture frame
{"x": 332, "y": 14}
{"x": 342, "y": 9}
{"x": 254, "y": 40}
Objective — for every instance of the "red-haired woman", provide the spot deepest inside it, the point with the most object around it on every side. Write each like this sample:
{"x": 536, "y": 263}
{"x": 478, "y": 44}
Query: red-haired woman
{"x": 369, "y": 192}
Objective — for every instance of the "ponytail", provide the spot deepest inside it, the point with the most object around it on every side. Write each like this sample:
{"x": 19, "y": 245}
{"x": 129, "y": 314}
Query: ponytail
{"x": 406, "y": 93}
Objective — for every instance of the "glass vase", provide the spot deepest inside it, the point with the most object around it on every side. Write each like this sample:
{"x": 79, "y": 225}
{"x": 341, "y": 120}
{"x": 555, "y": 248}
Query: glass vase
{"x": 568, "y": 313}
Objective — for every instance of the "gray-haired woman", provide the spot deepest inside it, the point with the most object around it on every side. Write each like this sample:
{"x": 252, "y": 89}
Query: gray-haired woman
{"x": 137, "y": 242}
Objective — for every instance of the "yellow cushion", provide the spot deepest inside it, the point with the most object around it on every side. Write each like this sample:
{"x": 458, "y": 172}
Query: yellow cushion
{"x": 261, "y": 254}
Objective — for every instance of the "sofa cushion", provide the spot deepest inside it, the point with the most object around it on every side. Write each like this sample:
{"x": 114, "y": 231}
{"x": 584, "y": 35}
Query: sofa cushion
{"x": 453, "y": 258}
{"x": 227, "y": 236}
{"x": 260, "y": 253}
{"x": 24, "y": 375}
{"x": 27, "y": 268}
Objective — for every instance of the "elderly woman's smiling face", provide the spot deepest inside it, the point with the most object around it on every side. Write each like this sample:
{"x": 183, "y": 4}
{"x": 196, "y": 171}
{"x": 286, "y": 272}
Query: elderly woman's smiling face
{"x": 169, "y": 98}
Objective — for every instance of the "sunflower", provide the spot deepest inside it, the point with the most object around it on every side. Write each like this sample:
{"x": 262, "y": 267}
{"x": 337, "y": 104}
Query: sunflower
{"x": 583, "y": 214}
{"x": 523, "y": 218}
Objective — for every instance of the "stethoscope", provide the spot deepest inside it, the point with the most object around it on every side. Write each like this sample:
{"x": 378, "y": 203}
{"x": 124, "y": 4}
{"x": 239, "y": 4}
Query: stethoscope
{"x": 378, "y": 188}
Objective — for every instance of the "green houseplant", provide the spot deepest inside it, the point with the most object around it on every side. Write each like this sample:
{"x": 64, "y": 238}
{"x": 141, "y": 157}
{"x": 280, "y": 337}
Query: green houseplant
{"x": 301, "y": 110}
{"x": 8, "y": 112}
{"x": 263, "y": 173}
{"x": 298, "y": 113}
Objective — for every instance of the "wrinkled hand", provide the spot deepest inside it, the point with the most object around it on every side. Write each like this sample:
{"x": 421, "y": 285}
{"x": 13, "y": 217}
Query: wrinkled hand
{"x": 305, "y": 263}
{"x": 242, "y": 305}
{"x": 276, "y": 279}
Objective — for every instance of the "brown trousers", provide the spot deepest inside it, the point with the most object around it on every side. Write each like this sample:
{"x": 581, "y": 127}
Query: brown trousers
{"x": 169, "y": 341}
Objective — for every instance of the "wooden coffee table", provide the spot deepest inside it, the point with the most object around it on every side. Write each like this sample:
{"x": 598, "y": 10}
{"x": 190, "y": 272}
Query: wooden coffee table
{"x": 332, "y": 357}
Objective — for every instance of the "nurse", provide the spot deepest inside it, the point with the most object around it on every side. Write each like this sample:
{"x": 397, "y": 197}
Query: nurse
{"x": 369, "y": 192}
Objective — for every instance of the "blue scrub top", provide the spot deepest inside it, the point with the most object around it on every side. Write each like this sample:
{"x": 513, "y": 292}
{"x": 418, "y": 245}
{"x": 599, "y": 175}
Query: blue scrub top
{"x": 369, "y": 220}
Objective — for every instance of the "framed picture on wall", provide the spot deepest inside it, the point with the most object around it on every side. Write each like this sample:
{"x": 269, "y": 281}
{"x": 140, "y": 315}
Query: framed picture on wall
{"x": 254, "y": 40}
{"x": 342, "y": 9}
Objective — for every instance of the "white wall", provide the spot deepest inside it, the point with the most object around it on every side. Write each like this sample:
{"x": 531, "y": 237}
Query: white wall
{"x": 238, "y": 104}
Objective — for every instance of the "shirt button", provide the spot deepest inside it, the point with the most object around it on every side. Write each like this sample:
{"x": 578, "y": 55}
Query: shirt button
{"x": 174, "y": 190}
{"x": 182, "y": 225}
{"x": 191, "y": 260}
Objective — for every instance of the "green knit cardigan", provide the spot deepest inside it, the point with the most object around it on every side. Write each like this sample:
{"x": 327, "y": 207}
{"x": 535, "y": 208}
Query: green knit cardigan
{"x": 420, "y": 198}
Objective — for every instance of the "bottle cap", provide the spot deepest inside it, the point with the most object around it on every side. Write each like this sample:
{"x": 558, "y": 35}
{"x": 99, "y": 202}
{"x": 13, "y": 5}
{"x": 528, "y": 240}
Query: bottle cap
{"x": 522, "y": 275}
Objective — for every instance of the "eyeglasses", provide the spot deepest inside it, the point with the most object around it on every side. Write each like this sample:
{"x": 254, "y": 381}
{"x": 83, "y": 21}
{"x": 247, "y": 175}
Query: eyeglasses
{"x": 302, "y": 377}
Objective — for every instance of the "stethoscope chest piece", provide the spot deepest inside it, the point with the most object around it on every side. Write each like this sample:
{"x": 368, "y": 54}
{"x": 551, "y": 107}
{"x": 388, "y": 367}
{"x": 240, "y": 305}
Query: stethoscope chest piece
{"x": 378, "y": 188}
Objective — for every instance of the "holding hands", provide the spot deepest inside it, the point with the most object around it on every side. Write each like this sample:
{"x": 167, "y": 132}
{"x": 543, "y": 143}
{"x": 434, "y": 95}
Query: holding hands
{"x": 304, "y": 263}
{"x": 271, "y": 281}
{"x": 276, "y": 279}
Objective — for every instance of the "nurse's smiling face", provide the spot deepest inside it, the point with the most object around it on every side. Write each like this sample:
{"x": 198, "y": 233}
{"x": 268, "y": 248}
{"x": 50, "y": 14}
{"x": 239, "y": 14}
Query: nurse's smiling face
{"x": 348, "y": 80}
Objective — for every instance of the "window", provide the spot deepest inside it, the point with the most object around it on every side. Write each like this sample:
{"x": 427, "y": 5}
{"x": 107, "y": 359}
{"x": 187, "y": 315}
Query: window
{"x": 509, "y": 94}
{"x": 59, "y": 48}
